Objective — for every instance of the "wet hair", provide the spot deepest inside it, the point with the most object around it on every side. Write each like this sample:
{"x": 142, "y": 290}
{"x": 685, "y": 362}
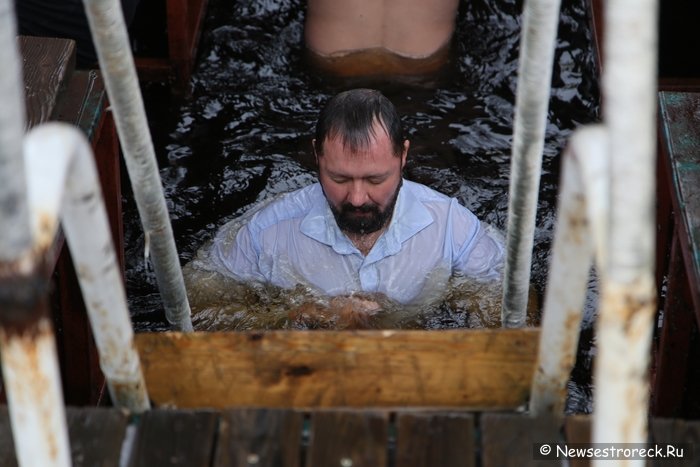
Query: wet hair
{"x": 351, "y": 116}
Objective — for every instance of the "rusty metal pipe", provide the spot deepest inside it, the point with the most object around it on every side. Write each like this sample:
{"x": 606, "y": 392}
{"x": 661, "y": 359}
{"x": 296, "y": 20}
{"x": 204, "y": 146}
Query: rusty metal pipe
{"x": 627, "y": 308}
{"x": 30, "y": 367}
{"x": 64, "y": 181}
{"x": 538, "y": 41}
{"x": 33, "y": 385}
{"x": 111, "y": 40}
{"x": 27, "y": 347}
{"x": 581, "y": 220}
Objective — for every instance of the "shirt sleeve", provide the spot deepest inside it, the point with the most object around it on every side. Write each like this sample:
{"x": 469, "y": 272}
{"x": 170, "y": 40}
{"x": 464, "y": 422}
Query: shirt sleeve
{"x": 238, "y": 253}
{"x": 478, "y": 250}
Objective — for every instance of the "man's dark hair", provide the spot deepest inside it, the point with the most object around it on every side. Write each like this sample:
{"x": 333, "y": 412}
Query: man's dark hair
{"x": 351, "y": 115}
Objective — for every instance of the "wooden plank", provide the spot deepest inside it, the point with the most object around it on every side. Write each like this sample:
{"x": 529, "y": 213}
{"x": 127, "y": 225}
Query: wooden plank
{"x": 681, "y": 129}
{"x": 184, "y": 18}
{"x": 597, "y": 24}
{"x": 84, "y": 104}
{"x": 672, "y": 358}
{"x": 154, "y": 69}
{"x": 521, "y": 434}
{"x": 96, "y": 435}
{"x": 175, "y": 437}
{"x": 260, "y": 437}
{"x": 47, "y": 64}
{"x": 8, "y": 458}
{"x": 437, "y": 439}
{"x": 475, "y": 368}
{"x": 577, "y": 430}
{"x": 348, "y": 438}
{"x": 680, "y": 434}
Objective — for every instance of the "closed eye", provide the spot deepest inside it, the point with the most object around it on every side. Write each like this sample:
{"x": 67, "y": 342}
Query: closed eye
{"x": 376, "y": 180}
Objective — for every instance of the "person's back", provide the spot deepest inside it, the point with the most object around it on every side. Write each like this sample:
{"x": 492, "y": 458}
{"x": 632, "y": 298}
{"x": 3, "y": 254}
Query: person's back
{"x": 368, "y": 37}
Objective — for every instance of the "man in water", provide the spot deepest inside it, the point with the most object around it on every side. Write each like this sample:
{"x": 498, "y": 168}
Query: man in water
{"x": 362, "y": 229}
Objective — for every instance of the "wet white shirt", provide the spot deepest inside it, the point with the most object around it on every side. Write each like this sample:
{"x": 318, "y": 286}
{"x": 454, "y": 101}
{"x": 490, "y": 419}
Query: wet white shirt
{"x": 296, "y": 240}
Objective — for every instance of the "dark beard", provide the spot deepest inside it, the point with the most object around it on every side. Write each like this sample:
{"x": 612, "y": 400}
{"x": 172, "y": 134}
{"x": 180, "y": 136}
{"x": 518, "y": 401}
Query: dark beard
{"x": 371, "y": 220}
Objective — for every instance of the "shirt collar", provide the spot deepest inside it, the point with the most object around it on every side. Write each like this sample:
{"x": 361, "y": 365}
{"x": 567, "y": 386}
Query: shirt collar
{"x": 410, "y": 217}
{"x": 320, "y": 225}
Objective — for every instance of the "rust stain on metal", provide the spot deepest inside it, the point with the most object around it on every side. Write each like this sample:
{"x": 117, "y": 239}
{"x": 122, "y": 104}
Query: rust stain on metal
{"x": 23, "y": 297}
{"x": 633, "y": 304}
{"x": 29, "y": 386}
{"x": 47, "y": 226}
{"x": 129, "y": 394}
{"x": 578, "y": 221}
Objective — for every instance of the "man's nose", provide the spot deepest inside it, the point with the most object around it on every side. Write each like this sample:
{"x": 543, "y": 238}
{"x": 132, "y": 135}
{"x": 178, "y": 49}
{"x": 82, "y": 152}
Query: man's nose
{"x": 358, "y": 194}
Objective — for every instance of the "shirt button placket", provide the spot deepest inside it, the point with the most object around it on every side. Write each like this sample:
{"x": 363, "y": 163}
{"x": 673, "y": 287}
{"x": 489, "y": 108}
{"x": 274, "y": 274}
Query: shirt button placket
{"x": 369, "y": 279}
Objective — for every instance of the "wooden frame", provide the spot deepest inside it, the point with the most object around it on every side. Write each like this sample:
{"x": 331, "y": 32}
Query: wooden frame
{"x": 184, "y": 20}
{"x": 485, "y": 368}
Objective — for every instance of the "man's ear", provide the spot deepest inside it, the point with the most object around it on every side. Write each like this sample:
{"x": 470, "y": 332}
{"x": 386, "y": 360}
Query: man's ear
{"x": 406, "y": 145}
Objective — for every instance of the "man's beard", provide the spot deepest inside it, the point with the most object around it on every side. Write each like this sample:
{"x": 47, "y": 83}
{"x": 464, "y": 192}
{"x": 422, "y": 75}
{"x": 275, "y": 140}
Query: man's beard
{"x": 364, "y": 219}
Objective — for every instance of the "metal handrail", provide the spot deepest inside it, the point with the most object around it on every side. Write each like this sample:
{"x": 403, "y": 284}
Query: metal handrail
{"x": 111, "y": 40}
{"x": 628, "y": 301}
{"x": 64, "y": 182}
{"x": 607, "y": 210}
{"x": 579, "y": 236}
{"x": 537, "y": 45}
{"x": 27, "y": 345}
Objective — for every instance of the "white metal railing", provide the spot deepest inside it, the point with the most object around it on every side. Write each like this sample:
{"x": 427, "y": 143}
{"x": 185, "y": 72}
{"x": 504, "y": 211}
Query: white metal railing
{"x": 627, "y": 297}
{"x": 47, "y": 173}
{"x": 111, "y": 40}
{"x": 13, "y": 205}
{"x": 607, "y": 211}
{"x": 63, "y": 181}
{"x": 578, "y": 237}
{"x": 537, "y": 45}
{"x": 27, "y": 346}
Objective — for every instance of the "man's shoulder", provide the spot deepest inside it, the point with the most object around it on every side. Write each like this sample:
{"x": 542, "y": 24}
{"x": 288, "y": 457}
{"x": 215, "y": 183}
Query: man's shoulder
{"x": 288, "y": 207}
{"x": 425, "y": 194}
{"x": 440, "y": 206}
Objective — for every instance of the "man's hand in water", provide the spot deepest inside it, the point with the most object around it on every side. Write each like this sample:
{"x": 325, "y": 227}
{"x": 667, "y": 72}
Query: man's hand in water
{"x": 343, "y": 312}
{"x": 354, "y": 312}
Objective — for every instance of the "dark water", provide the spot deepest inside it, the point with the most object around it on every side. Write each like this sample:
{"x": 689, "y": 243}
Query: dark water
{"x": 244, "y": 135}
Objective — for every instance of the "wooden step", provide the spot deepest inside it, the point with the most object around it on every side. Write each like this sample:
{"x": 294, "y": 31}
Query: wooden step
{"x": 459, "y": 368}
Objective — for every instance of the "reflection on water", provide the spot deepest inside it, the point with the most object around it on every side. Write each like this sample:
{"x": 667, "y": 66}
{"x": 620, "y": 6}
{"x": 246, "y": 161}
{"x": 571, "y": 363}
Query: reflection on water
{"x": 244, "y": 136}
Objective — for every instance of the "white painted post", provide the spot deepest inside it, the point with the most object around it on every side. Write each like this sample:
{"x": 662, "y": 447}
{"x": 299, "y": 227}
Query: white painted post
{"x": 626, "y": 316}
{"x": 111, "y": 40}
{"x": 579, "y": 233}
{"x": 64, "y": 182}
{"x": 35, "y": 399}
{"x": 14, "y": 242}
{"x": 537, "y": 45}
{"x": 27, "y": 347}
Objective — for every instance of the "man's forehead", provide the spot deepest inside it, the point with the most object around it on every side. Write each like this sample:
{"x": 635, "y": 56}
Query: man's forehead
{"x": 359, "y": 143}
